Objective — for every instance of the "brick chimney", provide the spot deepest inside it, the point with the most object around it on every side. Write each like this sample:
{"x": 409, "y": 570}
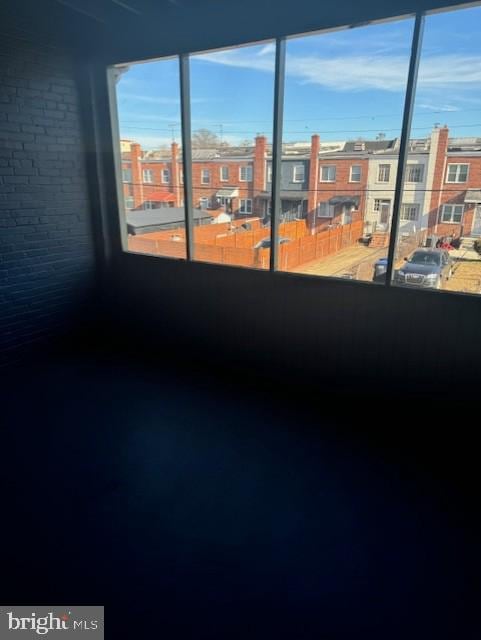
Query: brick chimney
{"x": 439, "y": 148}
{"x": 137, "y": 188}
{"x": 174, "y": 172}
{"x": 259, "y": 171}
{"x": 313, "y": 181}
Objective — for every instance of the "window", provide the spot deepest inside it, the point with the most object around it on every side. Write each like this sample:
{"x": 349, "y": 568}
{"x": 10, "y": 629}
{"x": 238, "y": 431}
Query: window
{"x": 205, "y": 176}
{"x": 452, "y": 213}
{"x": 384, "y": 173}
{"x": 204, "y": 202}
{"x": 457, "y": 173}
{"x": 379, "y": 204}
{"x": 414, "y": 173}
{"x": 165, "y": 176}
{"x": 355, "y": 175}
{"x": 409, "y": 212}
{"x": 298, "y": 173}
{"x": 269, "y": 173}
{"x": 328, "y": 173}
{"x": 245, "y": 174}
{"x": 160, "y": 84}
{"x": 324, "y": 210}
{"x": 235, "y": 97}
{"x": 245, "y": 205}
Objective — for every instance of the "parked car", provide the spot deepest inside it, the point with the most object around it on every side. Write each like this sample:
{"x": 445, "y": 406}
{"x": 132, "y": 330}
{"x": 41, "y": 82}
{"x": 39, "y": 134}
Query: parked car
{"x": 425, "y": 268}
{"x": 265, "y": 243}
{"x": 380, "y": 268}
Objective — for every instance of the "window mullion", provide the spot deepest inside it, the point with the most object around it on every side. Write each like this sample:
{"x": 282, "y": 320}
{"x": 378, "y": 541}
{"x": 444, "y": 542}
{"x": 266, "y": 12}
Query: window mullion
{"x": 279, "y": 83}
{"x": 187, "y": 153}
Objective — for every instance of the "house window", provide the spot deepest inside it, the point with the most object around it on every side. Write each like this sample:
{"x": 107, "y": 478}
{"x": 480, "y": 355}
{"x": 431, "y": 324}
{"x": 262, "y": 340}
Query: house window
{"x": 245, "y": 174}
{"x": 126, "y": 175}
{"x": 324, "y": 210}
{"x": 384, "y": 173}
{"x": 269, "y": 173}
{"x": 414, "y": 173}
{"x": 457, "y": 173}
{"x": 245, "y": 205}
{"x": 409, "y": 212}
{"x": 148, "y": 204}
{"x": 204, "y": 203}
{"x": 355, "y": 173}
{"x": 452, "y": 213}
{"x": 165, "y": 176}
{"x": 148, "y": 175}
{"x": 224, "y": 174}
{"x": 129, "y": 202}
{"x": 328, "y": 173}
{"x": 205, "y": 176}
{"x": 298, "y": 173}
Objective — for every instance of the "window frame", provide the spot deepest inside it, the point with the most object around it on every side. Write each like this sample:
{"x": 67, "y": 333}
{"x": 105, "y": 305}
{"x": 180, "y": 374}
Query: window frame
{"x": 151, "y": 175}
{"x": 327, "y": 166}
{"x": 202, "y": 172}
{"x": 452, "y": 221}
{"x": 294, "y": 172}
{"x": 411, "y": 83}
{"x": 248, "y": 170}
{"x": 414, "y": 166}
{"x": 412, "y": 205}
{"x": 350, "y": 173}
{"x": 221, "y": 170}
{"x": 242, "y": 209}
{"x": 380, "y": 167}
{"x": 162, "y": 176}
{"x": 457, "y": 164}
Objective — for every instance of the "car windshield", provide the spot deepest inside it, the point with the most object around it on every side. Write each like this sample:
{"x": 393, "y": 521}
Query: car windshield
{"x": 425, "y": 258}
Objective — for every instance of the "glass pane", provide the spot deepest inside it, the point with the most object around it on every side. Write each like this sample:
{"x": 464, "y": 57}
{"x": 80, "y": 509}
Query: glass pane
{"x": 148, "y": 106}
{"x": 232, "y": 93}
{"x": 445, "y": 142}
{"x": 344, "y": 100}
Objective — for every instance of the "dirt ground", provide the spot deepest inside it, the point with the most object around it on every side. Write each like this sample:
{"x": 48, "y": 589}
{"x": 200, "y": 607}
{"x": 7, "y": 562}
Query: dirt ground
{"x": 358, "y": 262}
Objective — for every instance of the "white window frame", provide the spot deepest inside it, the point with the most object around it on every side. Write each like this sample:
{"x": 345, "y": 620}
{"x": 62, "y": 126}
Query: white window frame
{"x": 452, "y": 207}
{"x": 379, "y": 201}
{"x": 245, "y": 205}
{"x": 248, "y": 172}
{"x": 295, "y": 170}
{"x": 457, "y": 165}
{"x": 148, "y": 205}
{"x": 165, "y": 176}
{"x": 205, "y": 176}
{"x": 327, "y": 166}
{"x": 324, "y": 210}
{"x": 269, "y": 173}
{"x": 129, "y": 202}
{"x": 203, "y": 203}
{"x": 129, "y": 178}
{"x": 147, "y": 176}
{"x": 412, "y": 206}
{"x": 411, "y": 169}
{"x": 382, "y": 170}
{"x": 221, "y": 173}
{"x": 350, "y": 172}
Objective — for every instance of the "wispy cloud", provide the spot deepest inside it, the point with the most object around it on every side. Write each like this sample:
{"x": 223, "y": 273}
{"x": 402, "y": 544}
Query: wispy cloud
{"x": 437, "y": 107}
{"x": 361, "y": 72}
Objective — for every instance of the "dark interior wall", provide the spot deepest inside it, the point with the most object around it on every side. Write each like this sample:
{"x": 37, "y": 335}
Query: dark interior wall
{"x": 46, "y": 245}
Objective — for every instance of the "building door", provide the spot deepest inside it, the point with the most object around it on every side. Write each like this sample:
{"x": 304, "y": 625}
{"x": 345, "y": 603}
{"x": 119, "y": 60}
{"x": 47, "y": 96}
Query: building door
{"x": 384, "y": 212}
{"x": 476, "y": 228}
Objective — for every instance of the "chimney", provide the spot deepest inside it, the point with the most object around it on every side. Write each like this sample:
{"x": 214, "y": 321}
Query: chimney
{"x": 174, "y": 172}
{"x": 259, "y": 169}
{"x": 313, "y": 182}
{"x": 438, "y": 150}
{"x": 136, "y": 168}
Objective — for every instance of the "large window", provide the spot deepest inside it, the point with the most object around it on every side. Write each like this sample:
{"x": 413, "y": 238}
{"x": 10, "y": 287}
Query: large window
{"x": 232, "y": 93}
{"x": 344, "y": 167}
{"x": 148, "y": 154}
{"x": 441, "y": 192}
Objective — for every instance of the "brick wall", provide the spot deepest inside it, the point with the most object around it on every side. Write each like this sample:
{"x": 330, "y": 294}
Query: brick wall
{"x": 46, "y": 246}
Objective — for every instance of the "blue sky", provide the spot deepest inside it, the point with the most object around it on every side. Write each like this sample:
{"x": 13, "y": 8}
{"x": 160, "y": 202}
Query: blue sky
{"x": 345, "y": 84}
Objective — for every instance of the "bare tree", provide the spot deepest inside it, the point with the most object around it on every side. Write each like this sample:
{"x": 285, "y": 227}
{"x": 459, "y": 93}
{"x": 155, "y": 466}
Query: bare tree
{"x": 206, "y": 139}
